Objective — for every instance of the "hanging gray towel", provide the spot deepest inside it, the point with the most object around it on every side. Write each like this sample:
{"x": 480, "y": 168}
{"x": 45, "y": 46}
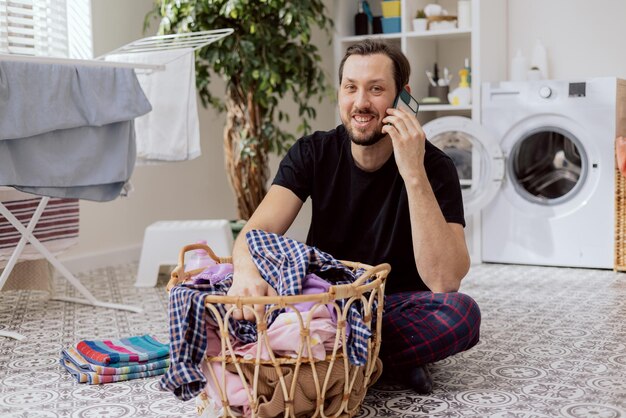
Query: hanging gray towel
{"x": 91, "y": 163}
{"x": 38, "y": 98}
{"x": 68, "y": 131}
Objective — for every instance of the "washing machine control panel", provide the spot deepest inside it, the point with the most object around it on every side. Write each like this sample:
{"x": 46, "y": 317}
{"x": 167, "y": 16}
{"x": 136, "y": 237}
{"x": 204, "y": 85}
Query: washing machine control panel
{"x": 545, "y": 92}
{"x": 577, "y": 89}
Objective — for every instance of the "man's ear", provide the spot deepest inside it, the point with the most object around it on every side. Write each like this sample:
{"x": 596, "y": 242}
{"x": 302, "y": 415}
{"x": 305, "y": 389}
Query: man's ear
{"x": 408, "y": 88}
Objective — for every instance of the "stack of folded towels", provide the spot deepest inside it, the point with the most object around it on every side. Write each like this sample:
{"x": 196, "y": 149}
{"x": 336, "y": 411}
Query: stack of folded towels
{"x": 107, "y": 361}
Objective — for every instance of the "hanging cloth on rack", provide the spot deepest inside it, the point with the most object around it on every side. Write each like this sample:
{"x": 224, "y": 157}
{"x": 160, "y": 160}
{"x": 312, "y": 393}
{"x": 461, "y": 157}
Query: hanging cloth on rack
{"x": 67, "y": 130}
{"x": 58, "y": 226}
{"x": 171, "y": 132}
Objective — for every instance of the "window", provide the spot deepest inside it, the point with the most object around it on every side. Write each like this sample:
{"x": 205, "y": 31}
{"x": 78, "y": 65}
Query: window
{"x": 60, "y": 28}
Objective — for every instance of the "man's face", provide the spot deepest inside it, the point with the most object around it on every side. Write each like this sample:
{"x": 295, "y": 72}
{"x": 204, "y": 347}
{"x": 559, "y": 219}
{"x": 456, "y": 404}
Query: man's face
{"x": 367, "y": 90}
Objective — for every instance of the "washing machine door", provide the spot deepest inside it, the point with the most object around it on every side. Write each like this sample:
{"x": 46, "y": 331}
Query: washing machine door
{"x": 476, "y": 154}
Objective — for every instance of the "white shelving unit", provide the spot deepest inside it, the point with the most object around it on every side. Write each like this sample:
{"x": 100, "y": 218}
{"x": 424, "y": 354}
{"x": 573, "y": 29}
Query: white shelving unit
{"x": 484, "y": 44}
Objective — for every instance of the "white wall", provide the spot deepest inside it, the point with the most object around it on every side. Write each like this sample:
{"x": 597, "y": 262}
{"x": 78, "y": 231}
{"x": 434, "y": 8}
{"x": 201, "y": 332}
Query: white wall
{"x": 583, "y": 38}
{"x": 112, "y": 232}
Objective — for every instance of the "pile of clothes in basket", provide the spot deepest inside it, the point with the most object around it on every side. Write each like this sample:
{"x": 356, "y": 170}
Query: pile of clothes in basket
{"x": 291, "y": 268}
{"x": 107, "y": 361}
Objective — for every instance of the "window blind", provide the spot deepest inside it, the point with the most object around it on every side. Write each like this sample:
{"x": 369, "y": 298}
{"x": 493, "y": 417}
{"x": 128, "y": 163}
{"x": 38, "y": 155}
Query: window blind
{"x": 34, "y": 27}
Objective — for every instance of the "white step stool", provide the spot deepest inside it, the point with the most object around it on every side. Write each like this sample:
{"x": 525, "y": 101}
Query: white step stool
{"x": 163, "y": 241}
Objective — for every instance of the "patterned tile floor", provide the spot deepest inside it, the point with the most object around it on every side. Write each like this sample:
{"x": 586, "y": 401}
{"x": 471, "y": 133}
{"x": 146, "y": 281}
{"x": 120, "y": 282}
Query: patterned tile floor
{"x": 553, "y": 345}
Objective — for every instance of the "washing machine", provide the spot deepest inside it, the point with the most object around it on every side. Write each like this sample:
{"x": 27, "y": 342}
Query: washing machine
{"x": 539, "y": 174}
{"x": 479, "y": 161}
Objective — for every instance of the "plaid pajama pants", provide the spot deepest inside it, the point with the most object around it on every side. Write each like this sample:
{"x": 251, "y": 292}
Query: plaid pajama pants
{"x": 424, "y": 327}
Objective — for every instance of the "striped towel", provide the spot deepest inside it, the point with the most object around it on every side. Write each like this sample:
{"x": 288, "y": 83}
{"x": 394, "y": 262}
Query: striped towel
{"x": 59, "y": 220}
{"x": 93, "y": 378}
{"x": 71, "y": 355}
{"x": 130, "y": 351}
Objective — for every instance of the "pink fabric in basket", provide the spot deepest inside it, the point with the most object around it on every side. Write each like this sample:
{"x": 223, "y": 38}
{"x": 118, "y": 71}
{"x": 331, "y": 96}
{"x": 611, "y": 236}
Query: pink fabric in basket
{"x": 234, "y": 387}
{"x": 284, "y": 336}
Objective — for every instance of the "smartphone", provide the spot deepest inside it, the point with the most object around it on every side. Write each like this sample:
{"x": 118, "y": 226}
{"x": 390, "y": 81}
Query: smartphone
{"x": 406, "y": 101}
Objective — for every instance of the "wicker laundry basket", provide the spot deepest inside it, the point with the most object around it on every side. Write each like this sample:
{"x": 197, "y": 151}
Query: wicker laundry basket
{"x": 349, "y": 389}
{"x": 619, "y": 263}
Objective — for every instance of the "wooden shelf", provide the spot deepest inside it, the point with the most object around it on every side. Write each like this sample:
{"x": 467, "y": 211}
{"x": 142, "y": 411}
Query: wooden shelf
{"x": 357, "y": 38}
{"x": 441, "y": 34}
{"x": 430, "y": 34}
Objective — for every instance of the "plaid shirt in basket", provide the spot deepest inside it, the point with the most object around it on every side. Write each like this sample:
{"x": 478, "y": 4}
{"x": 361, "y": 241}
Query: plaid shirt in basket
{"x": 283, "y": 263}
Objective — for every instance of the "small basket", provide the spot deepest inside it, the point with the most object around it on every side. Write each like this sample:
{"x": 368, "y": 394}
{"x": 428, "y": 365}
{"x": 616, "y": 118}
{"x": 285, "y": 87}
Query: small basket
{"x": 350, "y": 389}
{"x": 434, "y": 20}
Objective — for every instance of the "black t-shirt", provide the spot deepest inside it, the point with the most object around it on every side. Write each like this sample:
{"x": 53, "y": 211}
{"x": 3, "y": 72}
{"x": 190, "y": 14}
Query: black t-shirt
{"x": 364, "y": 216}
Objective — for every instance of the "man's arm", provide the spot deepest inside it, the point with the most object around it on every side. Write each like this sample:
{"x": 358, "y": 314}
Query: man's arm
{"x": 439, "y": 247}
{"x": 275, "y": 214}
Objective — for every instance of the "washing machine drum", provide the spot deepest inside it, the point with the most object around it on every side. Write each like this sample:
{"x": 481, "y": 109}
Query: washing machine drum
{"x": 547, "y": 166}
{"x": 476, "y": 154}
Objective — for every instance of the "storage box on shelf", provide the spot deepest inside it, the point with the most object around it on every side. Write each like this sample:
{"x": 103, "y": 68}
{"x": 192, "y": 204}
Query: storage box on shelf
{"x": 437, "y": 23}
{"x": 391, "y": 8}
{"x": 391, "y": 25}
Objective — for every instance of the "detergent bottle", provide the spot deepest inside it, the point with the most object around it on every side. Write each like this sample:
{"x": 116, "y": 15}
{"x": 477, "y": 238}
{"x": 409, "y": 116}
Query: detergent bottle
{"x": 540, "y": 60}
{"x": 462, "y": 95}
{"x": 199, "y": 259}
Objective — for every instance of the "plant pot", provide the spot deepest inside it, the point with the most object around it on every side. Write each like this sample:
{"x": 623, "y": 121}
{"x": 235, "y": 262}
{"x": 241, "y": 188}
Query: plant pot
{"x": 419, "y": 25}
{"x": 440, "y": 92}
{"x": 236, "y": 226}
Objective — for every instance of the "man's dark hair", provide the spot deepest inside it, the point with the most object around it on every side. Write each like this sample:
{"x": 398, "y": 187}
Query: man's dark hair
{"x": 401, "y": 67}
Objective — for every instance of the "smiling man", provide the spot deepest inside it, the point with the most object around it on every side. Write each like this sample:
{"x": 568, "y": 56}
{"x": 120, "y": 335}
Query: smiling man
{"x": 380, "y": 192}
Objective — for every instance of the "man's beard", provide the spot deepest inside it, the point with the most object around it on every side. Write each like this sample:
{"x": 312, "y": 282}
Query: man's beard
{"x": 372, "y": 139}
{"x": 367, "y": 141}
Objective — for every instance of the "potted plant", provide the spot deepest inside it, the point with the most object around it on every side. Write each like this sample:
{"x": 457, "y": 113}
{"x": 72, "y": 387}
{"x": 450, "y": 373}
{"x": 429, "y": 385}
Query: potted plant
{"x": 268, "y": 57}
{"x": 420, "y": 23}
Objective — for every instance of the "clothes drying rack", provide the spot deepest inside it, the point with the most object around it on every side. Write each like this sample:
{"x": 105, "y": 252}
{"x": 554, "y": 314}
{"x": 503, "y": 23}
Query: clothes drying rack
{"x": 184, "y": 42}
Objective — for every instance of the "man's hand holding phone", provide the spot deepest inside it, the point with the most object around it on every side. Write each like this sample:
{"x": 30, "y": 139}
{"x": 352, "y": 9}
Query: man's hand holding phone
{"x": 406, "y": 134}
